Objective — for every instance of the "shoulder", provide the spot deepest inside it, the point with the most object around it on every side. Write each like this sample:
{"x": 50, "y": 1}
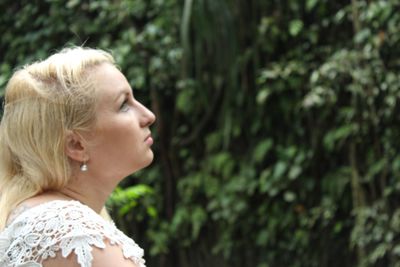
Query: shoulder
{"x": 69, "y": 232}
{"x": 110, "y": 255}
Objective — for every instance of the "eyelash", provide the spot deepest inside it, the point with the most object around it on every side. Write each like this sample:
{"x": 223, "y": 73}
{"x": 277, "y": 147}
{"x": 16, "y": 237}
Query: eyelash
{"x": 124, "y": 105}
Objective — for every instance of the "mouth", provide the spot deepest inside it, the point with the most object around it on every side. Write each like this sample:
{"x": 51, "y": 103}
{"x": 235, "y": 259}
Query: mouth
{"x": 149, "y": 140}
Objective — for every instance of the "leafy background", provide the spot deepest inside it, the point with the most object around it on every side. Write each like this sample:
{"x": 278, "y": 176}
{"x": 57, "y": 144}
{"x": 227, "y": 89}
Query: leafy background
{"x": 277, "y": 131}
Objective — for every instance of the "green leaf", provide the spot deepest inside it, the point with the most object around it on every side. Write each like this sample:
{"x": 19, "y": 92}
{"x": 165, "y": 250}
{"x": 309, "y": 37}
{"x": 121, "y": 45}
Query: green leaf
{"x": 294, "y": 172}
{"x": 262, "y": 149}
{"x": 262, "y": 96}
{"x": 184, "y": 101}
{"x": 198, "y": 218}
{"x": 289, "y": 196}
{"x": 310, "y": 4}
{"x": 279, "y": 169}
{"x": 337, "y": 135}
{"x": 295, "y": 27}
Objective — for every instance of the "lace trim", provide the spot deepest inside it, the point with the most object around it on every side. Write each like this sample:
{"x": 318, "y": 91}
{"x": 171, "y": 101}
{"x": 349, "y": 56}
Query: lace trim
{"x": 61, "y": 226}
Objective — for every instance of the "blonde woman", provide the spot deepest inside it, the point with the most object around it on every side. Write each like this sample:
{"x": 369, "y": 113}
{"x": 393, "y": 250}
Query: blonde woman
{"x": 70, "y": 131}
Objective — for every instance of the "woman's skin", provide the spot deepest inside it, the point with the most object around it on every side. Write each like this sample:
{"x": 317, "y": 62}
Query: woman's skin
{"x": 119, "y": 145}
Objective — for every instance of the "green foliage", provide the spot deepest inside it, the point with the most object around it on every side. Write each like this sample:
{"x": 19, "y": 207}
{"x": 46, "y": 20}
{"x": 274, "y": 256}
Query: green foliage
{"x": 127, "y": 198}
{"x": 277, "y": 123}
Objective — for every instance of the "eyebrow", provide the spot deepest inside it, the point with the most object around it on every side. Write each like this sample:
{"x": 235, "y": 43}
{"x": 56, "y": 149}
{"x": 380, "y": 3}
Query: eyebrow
{"x": 123, "y": 91}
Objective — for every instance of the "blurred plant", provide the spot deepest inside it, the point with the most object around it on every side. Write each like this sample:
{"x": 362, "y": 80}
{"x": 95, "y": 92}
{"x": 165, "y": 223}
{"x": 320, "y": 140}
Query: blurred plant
{"x": 277, "y": 123}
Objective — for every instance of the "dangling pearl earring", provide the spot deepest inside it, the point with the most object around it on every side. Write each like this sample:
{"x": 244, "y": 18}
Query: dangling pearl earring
{"x": 84, "y": 167}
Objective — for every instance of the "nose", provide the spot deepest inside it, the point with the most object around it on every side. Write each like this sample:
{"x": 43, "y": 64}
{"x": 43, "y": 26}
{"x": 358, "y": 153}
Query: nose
{"x": 147, "y": 117}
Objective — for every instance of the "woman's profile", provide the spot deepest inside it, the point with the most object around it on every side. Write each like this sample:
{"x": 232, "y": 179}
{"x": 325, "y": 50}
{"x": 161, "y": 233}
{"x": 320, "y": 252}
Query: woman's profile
{"x": 71, "y": 130}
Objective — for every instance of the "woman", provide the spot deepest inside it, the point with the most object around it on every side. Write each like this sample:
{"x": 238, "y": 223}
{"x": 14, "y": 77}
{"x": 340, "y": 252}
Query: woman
{"x": 71, "y": 130}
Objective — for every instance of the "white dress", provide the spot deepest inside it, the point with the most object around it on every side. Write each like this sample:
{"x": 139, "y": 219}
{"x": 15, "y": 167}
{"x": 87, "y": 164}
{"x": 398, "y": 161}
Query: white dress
{"x": 61, "y": 226}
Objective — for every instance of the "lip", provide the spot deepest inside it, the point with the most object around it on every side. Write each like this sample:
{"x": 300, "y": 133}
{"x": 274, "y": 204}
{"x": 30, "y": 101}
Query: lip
{"x": 149, "y": 140}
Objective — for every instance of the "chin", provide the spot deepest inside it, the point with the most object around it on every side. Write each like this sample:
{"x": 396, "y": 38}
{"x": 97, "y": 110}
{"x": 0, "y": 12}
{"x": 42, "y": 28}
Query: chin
{"x": 149, "y": 161}
{"x": 146, "y": 162}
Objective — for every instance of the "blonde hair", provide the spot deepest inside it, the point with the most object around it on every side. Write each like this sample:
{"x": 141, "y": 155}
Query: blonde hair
{"x": 42, "y": 102}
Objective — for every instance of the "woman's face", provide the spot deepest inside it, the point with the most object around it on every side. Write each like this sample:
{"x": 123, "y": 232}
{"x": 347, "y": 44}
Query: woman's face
{"x": 121, "y": 140}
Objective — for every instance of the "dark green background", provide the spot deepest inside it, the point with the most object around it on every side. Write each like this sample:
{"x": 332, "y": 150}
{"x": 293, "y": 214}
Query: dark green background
{"x": 277, "y": 131}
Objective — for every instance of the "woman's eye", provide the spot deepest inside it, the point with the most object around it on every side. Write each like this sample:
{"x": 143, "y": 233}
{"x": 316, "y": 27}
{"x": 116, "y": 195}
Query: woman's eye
{"x": 125, "y": 105}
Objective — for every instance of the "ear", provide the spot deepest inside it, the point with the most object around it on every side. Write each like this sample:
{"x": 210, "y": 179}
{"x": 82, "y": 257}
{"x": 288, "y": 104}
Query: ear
{"x": 75, "y": 147}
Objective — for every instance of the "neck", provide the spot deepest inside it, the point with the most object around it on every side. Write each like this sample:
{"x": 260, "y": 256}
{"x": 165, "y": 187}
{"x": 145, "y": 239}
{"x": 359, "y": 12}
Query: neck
{"x": 84, "y": 190}
{"x": 96, "y": 203}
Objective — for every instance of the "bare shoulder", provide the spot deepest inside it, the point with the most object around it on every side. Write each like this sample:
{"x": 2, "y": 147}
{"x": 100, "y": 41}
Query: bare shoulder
{"x": 111, "y": 255}
{"x": 59, "y": 261}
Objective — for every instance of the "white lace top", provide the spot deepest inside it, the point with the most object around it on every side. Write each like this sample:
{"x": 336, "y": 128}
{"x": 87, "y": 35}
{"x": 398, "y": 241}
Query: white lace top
{"x": 61, "y": 226}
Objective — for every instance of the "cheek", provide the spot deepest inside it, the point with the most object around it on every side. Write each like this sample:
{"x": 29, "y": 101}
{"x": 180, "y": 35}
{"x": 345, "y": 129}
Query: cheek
{"x": 118, "y": 140}
{"x": 122, "y": 138}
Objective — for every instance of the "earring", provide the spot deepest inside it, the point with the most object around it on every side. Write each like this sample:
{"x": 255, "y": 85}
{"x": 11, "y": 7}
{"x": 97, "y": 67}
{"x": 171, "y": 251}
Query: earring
{"x": 84, "y": 167}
